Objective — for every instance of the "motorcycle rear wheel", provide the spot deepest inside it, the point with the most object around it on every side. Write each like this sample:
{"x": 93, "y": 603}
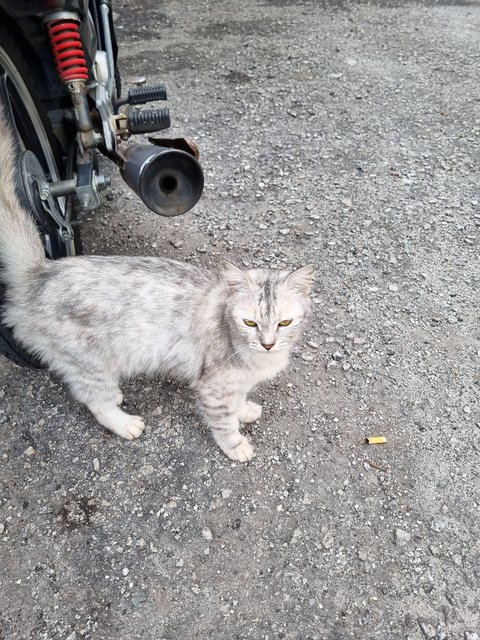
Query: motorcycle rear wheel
{"x": 34, "y": 133}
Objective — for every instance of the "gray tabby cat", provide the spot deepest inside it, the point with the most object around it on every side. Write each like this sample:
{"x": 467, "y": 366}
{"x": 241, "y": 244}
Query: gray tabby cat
{"x": 98, "y": 320}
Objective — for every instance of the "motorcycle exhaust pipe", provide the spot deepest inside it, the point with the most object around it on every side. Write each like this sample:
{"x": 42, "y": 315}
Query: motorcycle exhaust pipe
{"x": 168, "y": 180}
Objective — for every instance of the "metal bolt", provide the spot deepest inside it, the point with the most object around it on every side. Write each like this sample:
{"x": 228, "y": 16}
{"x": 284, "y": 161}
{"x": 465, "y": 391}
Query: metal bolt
{"x": 102, "y": 182}
{"x": 44, "y": 193}
{"x": 86, "y": 200}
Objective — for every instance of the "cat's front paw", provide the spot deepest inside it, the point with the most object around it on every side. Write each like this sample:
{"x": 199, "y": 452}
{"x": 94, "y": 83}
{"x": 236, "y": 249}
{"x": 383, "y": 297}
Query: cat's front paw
{"x": 243, "y": 452}
{"x": 250, "y": 412}
{"x": 132, "y": 429}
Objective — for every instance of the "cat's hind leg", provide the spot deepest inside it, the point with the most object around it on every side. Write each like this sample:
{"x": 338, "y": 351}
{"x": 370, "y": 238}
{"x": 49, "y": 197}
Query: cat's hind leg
{"x": 102, "y": 397}
{"x": 114, "y": 419}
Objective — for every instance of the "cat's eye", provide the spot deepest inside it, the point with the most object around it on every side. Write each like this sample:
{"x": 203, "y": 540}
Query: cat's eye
{"x": 250, "y": 323}
{"x": 284, "y": 323}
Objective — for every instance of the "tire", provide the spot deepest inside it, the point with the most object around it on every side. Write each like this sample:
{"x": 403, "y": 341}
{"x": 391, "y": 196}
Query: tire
{"x": 35, "y": 133}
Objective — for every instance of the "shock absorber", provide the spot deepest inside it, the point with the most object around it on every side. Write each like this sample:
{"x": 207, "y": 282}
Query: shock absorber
{"x": 67, "y": 49}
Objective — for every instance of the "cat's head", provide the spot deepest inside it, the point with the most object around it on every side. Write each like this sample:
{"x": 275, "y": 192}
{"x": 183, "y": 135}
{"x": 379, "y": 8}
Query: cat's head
{"x": 267, "y": 307}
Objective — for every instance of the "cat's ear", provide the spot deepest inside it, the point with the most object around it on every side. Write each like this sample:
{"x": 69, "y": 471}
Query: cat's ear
{"x": 235, "y": 278}
{"x": 301, "y": 279}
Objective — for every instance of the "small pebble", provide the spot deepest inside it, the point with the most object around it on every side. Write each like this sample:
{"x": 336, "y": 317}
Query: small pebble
{"x": 401, "y": 537}
{"x": 125, "y": 571}
{"x": 297, "y": 534}
{"x": 328, "y": 541}
{"x": 139, "y": 597}
{"x": 429, "y": 630}
{"x": 307, "y": 357}
{"x": 438, "y": 524}
{"x": 207, "y": 534}
{"x": 29, "y": 451}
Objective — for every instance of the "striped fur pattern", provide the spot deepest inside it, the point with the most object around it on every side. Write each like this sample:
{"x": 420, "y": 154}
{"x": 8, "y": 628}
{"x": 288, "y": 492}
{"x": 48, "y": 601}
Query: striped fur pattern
{"x": 96, "y": 321}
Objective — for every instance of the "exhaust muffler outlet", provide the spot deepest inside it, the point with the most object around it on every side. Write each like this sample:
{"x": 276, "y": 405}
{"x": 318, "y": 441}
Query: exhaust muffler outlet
{"x": 169, "y": 181}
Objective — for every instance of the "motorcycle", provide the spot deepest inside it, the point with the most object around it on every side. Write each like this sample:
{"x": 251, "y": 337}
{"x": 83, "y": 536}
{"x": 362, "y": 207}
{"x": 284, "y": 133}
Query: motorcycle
{"x": 60, "y": 90}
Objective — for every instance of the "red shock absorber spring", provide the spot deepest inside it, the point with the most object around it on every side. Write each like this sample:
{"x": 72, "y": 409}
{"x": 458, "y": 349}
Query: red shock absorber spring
{"x": 67, "y": 50}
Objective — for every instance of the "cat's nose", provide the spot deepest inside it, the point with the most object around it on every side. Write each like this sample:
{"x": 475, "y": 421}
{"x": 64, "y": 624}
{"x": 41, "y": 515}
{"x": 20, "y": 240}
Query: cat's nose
{"x": 267, "y": 346}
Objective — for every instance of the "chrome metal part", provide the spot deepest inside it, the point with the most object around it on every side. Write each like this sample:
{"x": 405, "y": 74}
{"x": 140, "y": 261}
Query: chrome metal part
{"x": 60, "y": 15}
{"x": 105, "y": 12}
{"x": 85, "y": 187}
{"x": 121, "y": 125}
{"x": 99, "y": 93}
{"x": 77, "y": 92}
{"x": 49, "y": 205}
{"x": 104, "y": 107}
{"x": 84, "y": 123}
{"x": 88, "y": 185}
{"x": 62, "y": 188}
{"x": 100, "y": 68}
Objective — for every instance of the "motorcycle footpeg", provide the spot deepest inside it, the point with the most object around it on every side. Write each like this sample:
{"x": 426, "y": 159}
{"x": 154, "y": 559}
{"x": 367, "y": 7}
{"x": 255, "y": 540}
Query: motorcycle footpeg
{"x": 141, "y": 95}
{"x": 148, "y": 120}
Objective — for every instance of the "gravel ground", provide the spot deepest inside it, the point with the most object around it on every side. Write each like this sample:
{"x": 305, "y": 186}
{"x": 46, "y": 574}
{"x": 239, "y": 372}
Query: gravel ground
{"x": 343, "y": 133}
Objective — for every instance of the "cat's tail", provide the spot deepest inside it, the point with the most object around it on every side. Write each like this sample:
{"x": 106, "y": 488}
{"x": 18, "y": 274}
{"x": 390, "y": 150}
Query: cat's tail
{"x": 21, "y": 249}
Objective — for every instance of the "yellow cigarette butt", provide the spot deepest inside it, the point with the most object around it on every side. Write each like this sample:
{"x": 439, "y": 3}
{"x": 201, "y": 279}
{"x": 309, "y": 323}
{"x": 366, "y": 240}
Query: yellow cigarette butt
{"x": 376, "y": 440}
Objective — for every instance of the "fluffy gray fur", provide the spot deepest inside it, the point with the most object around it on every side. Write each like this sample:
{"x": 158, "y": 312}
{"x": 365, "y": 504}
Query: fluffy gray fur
{"x": 98, "y": 320}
